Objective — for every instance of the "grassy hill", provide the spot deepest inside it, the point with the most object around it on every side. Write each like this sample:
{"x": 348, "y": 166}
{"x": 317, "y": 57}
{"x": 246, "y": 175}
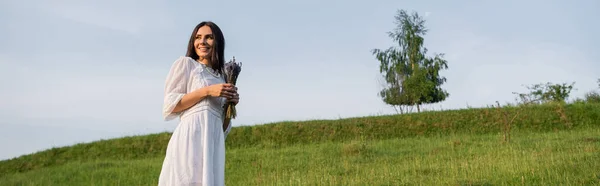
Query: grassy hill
{"x": 549, "y": 144}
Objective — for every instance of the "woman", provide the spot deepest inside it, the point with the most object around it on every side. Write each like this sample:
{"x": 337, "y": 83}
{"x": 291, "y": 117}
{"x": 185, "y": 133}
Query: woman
{"x": 195, "y": 91}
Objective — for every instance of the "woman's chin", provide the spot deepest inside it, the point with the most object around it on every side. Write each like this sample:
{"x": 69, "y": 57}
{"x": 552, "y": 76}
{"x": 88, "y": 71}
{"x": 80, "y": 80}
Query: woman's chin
{"x": 202, "y": 54}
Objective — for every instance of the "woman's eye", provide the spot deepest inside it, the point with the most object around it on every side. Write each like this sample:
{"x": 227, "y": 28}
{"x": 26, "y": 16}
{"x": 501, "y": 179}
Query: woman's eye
{"x": 206, "y": 37}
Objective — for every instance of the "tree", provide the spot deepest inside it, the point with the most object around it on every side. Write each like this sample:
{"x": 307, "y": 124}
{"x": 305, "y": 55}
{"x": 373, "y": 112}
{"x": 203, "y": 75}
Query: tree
{"x": 593, "y": 96}
{"x": 549, "y": 92}
{"x": 411, "y": 77}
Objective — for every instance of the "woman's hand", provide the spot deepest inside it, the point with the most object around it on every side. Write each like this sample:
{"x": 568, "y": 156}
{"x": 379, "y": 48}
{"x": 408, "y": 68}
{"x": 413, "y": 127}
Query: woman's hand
{"x": 235, "y": 99}
{"x": 225, "y": 90}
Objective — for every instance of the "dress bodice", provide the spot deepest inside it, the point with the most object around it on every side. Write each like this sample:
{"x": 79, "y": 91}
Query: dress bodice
{"x": 203, "y": 76}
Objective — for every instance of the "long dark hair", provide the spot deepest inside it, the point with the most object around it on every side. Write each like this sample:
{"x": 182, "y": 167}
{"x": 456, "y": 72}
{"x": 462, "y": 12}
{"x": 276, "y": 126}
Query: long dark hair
{"x": 217, "y": 52}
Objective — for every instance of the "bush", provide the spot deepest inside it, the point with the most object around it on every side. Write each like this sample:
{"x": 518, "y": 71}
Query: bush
{"x": 592, "y": 97}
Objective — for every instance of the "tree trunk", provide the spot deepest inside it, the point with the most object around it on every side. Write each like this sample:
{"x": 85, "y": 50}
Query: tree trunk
{"x": 418, "y": 108}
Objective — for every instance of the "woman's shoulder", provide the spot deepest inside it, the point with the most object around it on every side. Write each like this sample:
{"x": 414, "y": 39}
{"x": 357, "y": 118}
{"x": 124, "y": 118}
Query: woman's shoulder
{"x": 183, "y": 61}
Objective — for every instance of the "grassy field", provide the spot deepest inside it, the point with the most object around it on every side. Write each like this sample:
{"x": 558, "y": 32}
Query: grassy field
{"x": 550, "y": 145}
{"x": 552, "y": 158}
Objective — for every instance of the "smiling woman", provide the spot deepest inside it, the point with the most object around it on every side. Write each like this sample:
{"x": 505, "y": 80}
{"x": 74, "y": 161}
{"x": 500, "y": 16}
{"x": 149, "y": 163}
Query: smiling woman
{"x": 207, "y": 45}
{"x": 195, "y": 91}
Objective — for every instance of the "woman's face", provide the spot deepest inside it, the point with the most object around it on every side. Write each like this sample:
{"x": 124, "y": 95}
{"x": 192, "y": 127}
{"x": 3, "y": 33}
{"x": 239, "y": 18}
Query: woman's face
{"x": 204, "y": 42}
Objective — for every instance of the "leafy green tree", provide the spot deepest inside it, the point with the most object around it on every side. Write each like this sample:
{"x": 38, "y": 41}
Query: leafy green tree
{"x": 412, "y": 78}
{"x": 593, "y": 96}
{"x": 548, "y": 92}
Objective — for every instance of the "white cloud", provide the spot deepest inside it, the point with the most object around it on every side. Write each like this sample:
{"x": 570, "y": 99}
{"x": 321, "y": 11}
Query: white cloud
{"x": 131, "y": 16}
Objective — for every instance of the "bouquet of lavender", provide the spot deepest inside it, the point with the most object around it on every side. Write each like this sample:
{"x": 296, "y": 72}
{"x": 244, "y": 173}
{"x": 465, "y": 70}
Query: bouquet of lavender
{"x": 231, "y": 71}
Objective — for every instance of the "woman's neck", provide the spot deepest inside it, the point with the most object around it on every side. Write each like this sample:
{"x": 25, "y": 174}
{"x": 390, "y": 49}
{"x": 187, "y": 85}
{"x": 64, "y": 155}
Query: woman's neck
{"x": 203, "y": 61}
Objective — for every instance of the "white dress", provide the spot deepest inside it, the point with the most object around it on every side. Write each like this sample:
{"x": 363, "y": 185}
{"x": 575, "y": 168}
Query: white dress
{"x": 195, "y": 153}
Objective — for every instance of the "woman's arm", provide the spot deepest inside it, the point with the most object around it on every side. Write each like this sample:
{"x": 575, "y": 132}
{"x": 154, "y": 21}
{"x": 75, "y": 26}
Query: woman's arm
{"x": 218, "y": 90}
{"x": 177, "y": 99}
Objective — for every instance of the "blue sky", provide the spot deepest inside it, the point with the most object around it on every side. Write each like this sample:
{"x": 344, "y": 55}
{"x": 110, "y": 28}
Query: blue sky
{"x": 80, "y": 71}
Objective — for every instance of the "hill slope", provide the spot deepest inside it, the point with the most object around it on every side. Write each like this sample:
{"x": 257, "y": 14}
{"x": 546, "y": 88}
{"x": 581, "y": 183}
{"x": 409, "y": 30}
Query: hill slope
{"x": 342, "y": 134}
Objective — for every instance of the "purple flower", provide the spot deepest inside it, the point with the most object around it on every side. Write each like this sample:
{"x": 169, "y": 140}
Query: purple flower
{"x": 231, "y": 70}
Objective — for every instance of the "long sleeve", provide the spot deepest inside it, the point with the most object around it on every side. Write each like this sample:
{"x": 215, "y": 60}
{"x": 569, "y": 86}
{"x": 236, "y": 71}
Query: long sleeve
{"x": 175, "y": 87}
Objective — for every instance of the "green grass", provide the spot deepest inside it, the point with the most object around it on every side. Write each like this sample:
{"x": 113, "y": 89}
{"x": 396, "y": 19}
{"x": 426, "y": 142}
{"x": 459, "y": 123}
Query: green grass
{"x": 550, "y": 145}
{"x": 548, "y": 117}
{"x": 549, "y": 158}
{"x": 540, "y": 159}
{"x": 101, "y": 172}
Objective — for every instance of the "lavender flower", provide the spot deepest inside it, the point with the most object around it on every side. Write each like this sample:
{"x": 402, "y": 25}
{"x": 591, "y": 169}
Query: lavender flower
{"x": 231, "y": 71}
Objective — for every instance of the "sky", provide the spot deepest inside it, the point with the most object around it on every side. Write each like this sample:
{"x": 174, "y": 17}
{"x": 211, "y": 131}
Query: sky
{"x": 80, "y": 71}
